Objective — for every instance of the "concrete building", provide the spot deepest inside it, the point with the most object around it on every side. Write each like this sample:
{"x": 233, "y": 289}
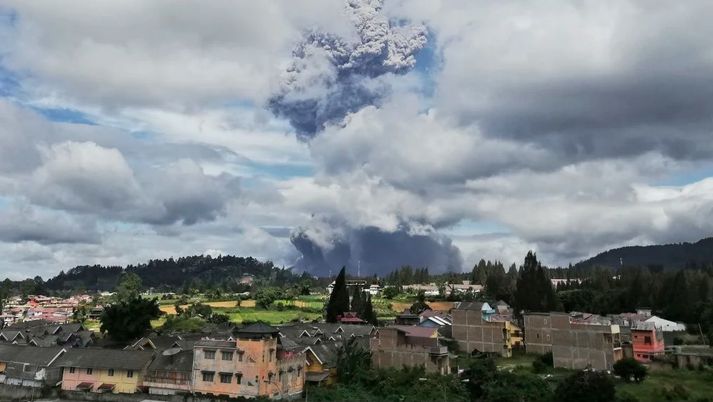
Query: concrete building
{"x": 170, "y": 372}
{"x": 257, "y": 363}
{"x": 646, "y": 341}
{"x": 411, "y": 346}
{"x": 577, "y": 340}
{"x": 104, "y": 370}
{"x": 477, "y": 328}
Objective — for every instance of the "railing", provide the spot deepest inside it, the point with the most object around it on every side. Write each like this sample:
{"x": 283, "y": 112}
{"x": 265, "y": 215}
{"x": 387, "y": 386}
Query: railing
{"x": 439, "y": 350}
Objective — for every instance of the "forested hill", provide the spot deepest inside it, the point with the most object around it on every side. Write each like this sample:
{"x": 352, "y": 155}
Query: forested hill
{"x": 667, "y": 257}
{"x": 195, "y": 271}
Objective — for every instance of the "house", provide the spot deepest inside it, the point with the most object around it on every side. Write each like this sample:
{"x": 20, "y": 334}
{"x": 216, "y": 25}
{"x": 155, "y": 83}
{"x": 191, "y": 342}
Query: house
{"x": 257, "y": 363}
{"x": 350, "y": 317}
{"x": 44, "y": 333}
{"x": 374, "y": 290}
{"x": 29, "y": 366}
{"x": 104, "y": 370}
{"x": 666, "y": 325}
{"x": 478, "y": 329}
{"x": 576, "y": 340}
{"x": 646, "y": 341}
{"x": 170, "y": 372}
{"x": 401, "y": 345}
{"x": 322, "y": 363}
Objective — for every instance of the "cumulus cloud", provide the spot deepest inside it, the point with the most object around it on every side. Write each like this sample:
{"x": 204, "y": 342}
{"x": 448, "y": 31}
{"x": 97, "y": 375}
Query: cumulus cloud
{"x": 167, "y": 55}
{"x": 25, "y": 223}
{"x": 90, "y": 179}
{"x": 331, "y": 76}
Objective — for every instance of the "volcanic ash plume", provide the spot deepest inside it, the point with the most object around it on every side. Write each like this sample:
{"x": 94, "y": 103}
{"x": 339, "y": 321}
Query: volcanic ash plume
{"x": 331, "y": 76}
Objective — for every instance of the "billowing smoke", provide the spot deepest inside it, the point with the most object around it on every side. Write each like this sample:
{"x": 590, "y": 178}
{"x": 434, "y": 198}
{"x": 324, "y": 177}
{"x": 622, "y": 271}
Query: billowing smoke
{"x": 331, "y": 76}
{"x": 372, "y": 250}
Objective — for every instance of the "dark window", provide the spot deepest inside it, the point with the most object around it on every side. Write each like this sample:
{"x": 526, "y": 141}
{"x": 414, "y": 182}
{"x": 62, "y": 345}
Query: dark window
{"x": 239, "y": 377}
{"x": 647, "y": 340}
{"x": 227, "y": 355}
{"x": 208, "y": 376}
{"x": 71, "y": 370}
{"x": 89, "y": 371}
{"x": 210, "y": 354}
{"x": 111, "y": 372}
{"x": 225, "y": 378}
{"x": 129, "y": 373}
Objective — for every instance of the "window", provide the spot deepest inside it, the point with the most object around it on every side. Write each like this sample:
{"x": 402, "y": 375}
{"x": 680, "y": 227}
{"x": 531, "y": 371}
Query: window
{"x": 71, "y": 370}
{"x": 647, "y": 340}
{"x": 210, "y": 354}
{"x": 226, "y": 378}
{"x": 227, "y": 355}
{"x": 239, "y": 377}
{"x": 240, "y": 357}
{"x": 111, "y": 372}
{"x": 208, "y": 376}
{"x": 89, "y": 371}
{"x": 129, "y": 373}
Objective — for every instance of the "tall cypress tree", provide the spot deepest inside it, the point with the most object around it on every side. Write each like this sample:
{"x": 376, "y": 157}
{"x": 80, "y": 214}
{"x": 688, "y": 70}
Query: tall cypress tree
{"x": 369, "y": 313}
{"x": 358, "y": 302}
{"x": 534, "y": 290}
{"x": 339, "y": 299}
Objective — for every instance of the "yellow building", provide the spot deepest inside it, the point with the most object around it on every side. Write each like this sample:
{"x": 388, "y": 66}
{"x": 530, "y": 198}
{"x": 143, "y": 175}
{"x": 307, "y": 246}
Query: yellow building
{"x": 104, "y": 370}
{"x": 321, "y": 363}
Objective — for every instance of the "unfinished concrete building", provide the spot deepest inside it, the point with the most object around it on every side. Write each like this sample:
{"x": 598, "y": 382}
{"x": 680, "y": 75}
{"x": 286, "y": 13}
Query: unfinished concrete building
{"x": 477, "y": 328}
{"x": 411, "y": 346}
{"x": 578, "y": 340}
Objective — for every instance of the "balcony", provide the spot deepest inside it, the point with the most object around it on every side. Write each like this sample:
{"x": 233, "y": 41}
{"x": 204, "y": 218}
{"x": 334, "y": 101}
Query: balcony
{"x": 439, "y": 350}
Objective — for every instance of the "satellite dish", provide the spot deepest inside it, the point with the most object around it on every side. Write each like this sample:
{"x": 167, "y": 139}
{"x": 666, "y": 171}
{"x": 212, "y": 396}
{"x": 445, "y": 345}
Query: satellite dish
{"x": 171, "y": 351}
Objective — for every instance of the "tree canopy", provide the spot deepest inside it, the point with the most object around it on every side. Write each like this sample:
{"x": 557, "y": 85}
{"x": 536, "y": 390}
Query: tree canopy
{"x": 127, "y": 320}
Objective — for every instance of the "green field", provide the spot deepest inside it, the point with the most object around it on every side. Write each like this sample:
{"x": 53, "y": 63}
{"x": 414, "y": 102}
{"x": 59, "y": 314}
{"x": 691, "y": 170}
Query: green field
{"x": 271, "y": 316}
{"x": 699, "y": 384}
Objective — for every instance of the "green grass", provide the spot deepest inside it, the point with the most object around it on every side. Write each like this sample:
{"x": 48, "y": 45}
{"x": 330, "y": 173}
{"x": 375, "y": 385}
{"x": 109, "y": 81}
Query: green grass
{"x": 698, "y": 383}
{"x": 270, "y": 316}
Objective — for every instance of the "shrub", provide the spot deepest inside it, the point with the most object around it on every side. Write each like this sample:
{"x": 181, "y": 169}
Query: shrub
{"x": 586, "y": 386}
{"x": 630, "y": 370}
{"x": 543, "y": 362}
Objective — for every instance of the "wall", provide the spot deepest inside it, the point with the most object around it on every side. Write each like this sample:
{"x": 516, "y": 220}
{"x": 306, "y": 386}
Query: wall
{"x": 473, "y": 333}
{"x": 18, "y": 393}
{"x": 390, "y": 350}
{"x": 123, "y": 384}
{"x": 538, "y": 333}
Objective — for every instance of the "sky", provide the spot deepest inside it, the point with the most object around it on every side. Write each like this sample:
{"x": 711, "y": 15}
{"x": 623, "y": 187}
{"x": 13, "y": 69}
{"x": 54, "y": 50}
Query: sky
{"x": 363, "y": 133}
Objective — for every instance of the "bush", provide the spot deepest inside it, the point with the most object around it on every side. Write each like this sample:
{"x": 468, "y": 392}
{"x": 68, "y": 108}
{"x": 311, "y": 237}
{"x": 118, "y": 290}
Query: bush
{"x": 630, "y": 370}
{"x": 390, "y": 292}
{"x": 543, "y": 363}
{"x": 586, "y": 386}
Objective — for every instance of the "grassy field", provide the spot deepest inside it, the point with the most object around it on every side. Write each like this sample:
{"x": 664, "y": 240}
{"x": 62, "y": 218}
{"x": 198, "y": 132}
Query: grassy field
{"x": 699, "y": 385}
{"x": 271, "y": 316}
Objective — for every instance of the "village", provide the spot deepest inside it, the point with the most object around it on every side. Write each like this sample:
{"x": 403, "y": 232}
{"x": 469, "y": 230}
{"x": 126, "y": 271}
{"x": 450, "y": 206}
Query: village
{"x": 45, "y": 349}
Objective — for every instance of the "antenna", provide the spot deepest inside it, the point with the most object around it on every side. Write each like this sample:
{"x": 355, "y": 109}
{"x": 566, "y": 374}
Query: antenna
{"x": 359, "y": 269}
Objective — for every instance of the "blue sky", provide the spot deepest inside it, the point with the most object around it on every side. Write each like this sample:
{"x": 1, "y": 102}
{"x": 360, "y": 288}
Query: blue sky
{"x": 474, "y": 130}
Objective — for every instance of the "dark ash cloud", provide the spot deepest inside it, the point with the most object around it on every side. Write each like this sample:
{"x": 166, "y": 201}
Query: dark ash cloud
{"x": 375, "y": 251}
{"x": 331, "y": 76}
